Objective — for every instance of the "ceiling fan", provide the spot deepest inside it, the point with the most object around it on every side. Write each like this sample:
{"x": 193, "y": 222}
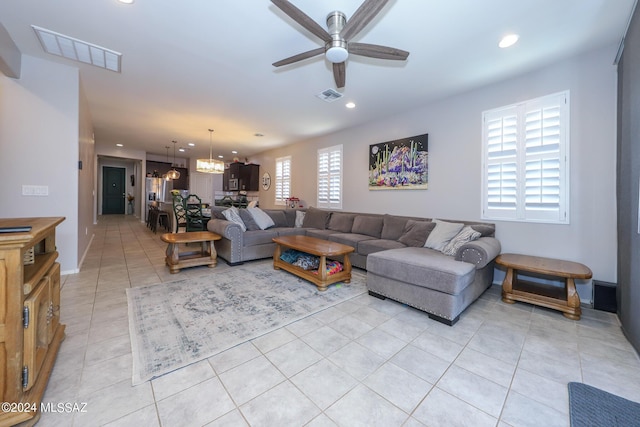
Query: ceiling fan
{"x": 337, "y": 46}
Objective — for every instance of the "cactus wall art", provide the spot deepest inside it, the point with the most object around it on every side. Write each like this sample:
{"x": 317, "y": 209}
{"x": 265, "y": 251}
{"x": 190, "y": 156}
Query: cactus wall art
{"x": 399, "y": 165}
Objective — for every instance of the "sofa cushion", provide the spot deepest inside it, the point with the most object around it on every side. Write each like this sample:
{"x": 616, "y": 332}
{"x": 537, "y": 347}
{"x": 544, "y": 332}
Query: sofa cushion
{"x": 349, "y": 239}
{"x": 368, "y": 225}
{"x": 467, "y": 234}
{"x": 341, "y": 222}
{"x": 258, "y": 237}
{"x": 233, "y": 215}
{"x": 442, "y": 234}
{"x": 247, "y": 219}
{"x": 278, "y": 217}
{"x": 423, "y": 267}
{"x": 316, "y": 218}
{"x": 485, "y": 230}
{"x": 290, "y": 215}
{"x": 392, "y": 227}
{"x": 367, "y": 247}
{"x": 289, "y": 231}
{"x": 416, "y": 232}
{"x": 261, "y": 218}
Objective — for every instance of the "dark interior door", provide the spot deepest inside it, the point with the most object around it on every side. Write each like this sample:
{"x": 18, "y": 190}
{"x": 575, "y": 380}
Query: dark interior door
{"x": 113, "y": 188}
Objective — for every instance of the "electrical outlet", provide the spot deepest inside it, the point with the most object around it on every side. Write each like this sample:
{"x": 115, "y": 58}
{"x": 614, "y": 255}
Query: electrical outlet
{"x": 35, "y": 190}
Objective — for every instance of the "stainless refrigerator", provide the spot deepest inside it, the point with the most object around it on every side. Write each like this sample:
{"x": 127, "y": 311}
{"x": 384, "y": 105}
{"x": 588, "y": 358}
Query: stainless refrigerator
{"x": 158, "y": 191}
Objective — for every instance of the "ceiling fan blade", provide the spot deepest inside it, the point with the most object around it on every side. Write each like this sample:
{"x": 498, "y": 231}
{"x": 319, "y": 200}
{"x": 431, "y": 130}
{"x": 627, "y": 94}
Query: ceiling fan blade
{"x": 377, "y": 51}
{"x": 303, "y": 19}
{"x": 339, "y": 74}
{"x": 299, "y": 57}
{"x": 365, "y": 13}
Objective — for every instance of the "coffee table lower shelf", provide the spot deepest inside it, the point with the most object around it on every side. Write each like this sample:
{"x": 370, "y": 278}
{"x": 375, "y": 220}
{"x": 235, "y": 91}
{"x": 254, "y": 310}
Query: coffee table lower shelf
{"x": 322, "y": 284}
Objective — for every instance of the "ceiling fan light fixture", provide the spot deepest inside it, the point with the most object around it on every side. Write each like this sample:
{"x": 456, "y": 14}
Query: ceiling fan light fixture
{"x": 508, "y": 40}
{"x": 337, "y": 54}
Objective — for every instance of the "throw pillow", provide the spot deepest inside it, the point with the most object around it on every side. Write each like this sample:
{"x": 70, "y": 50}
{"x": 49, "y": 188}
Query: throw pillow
{"x": 247, "y": 219}
{"x": 442, "y": 234}
{"x": 467, "y": 234}
{"x": 233, "y": 215}
{"x": 299, "y": 219}
{"x": 416, "y": 233}
{"x": 263, "y": 220}
{"x": 278, "y": 217}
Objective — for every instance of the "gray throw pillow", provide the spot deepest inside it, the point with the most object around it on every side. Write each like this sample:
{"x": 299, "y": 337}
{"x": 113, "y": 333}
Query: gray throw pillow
{"x": 485, "y": 230}
{"x": 341, "y": 222}
{"x": 261, "y": 218}
{"x": 442, "y": 234}
{"x": 392, "y": 227}
{"x": 316, "y": 218}
{"x": 248, "y": 221}
{"x": 367, "y": 225}
{"x": 233, "y": 215}
{"x": 415, "y": 233}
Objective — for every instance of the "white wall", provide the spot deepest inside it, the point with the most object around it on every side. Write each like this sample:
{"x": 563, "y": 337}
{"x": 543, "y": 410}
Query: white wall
{"x": 39, "y": 146}
{"x": 455, "y": 151}
{"x": 86, "y": 178}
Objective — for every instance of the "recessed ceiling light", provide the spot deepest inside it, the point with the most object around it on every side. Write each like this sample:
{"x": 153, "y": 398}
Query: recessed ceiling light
{"x": 508, "y": 40}
{"x": 182, "y": 150}
{"x": 119, "y": 145}
{"x": 191, "y": 144}
{"x": 126, "y": 1}
{"x": 350, "y": 105}
{"x": 221, "y": 157}
{"x": 234, "y": 152}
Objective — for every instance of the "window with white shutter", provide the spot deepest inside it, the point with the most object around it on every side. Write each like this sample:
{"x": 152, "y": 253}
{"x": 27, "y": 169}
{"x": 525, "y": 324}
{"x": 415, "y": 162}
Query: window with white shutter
{"x": 330, "y": 177}
{"x": 283, "y": 180}
{"x": 526, "y": 161}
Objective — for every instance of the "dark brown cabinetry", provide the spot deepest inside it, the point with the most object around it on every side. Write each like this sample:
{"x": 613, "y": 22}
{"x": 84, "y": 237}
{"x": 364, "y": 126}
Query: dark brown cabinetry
{"x": 241, "y": 177}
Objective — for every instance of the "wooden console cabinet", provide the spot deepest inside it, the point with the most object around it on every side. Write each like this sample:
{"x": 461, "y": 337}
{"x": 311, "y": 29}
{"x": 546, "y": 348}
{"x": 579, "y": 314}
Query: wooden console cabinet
{"x": 30, "y": 329}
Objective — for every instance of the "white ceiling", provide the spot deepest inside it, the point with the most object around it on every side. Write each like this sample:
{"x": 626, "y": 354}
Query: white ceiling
{"x": 190, "y": 65}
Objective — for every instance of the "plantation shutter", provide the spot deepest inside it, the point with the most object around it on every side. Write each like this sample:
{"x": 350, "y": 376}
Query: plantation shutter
{"x": 526, "y": 165}
{"x": 330, "y": 177}
{"x": 283, "y": 180}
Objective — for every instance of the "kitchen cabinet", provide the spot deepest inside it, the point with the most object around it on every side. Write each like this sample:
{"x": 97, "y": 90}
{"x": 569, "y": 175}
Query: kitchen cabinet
{"x": 31, "y": 332}
{"x": 241, "y": 177}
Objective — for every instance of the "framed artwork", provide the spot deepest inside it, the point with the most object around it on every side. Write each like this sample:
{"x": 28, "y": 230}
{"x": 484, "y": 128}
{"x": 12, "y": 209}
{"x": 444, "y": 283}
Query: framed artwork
{"x": 400, "y": 165}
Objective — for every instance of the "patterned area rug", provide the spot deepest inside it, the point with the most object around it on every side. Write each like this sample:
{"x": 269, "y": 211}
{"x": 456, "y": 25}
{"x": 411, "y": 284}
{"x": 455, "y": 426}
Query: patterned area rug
{"x": 177, "y": 323}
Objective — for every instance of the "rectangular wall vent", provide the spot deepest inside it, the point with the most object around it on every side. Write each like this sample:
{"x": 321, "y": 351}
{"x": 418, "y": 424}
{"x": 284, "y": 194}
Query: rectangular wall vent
{"x": 329, "y": 95}
{"x": 78, "y": 50}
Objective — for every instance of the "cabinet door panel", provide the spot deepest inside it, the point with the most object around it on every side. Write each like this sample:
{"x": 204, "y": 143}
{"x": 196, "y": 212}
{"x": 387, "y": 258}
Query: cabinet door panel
{"x": 36, "y": 337}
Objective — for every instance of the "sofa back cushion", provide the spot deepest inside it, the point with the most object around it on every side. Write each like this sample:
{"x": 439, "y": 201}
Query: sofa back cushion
{"x": 316, "y": 218}
{"x": 415, "y": 233}
{"x": 341, "y": 222}
{"x": 392, "y": 227}
{"x": 278, "y": 216}
{"x": 367, "y": 225}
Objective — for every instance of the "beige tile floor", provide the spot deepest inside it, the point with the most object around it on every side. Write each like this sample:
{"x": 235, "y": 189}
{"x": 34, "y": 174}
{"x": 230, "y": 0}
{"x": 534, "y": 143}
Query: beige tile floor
{"x": 365, "y": 362}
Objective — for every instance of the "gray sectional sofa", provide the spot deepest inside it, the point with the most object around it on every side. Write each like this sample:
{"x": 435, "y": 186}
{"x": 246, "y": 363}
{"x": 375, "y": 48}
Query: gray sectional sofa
{"x": 390, "y": 247}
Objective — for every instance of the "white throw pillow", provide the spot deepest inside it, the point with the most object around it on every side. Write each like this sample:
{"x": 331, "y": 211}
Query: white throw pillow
{"x": 442, "y": 234}
{"x": 299, "y": 218}
{"x": 233, "y": 215}
{"x": 262, "y": 219}
{"x": 467, "y": 234}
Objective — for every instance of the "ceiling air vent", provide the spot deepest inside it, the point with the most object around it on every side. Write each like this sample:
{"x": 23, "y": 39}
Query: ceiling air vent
{"x": 329, "y": 95}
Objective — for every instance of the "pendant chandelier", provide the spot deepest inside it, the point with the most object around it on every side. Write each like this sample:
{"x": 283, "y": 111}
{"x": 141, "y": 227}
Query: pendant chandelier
{"x": 210, "y": 165}
{"x": 173, "y": 173}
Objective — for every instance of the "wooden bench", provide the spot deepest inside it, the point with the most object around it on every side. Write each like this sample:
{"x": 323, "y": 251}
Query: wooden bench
{"x": 565, "y": 299}
{"x": 206, "y": 255}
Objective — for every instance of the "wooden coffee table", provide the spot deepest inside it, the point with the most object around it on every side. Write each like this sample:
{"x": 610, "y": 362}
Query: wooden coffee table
{"x": 206, "y": 255}
{"x": 318, "y": 247}
{"x": 564, "y": 299}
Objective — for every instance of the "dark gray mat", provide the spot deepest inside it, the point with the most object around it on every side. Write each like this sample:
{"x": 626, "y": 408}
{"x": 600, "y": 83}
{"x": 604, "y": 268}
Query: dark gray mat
{"x": 592, "y": 407}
